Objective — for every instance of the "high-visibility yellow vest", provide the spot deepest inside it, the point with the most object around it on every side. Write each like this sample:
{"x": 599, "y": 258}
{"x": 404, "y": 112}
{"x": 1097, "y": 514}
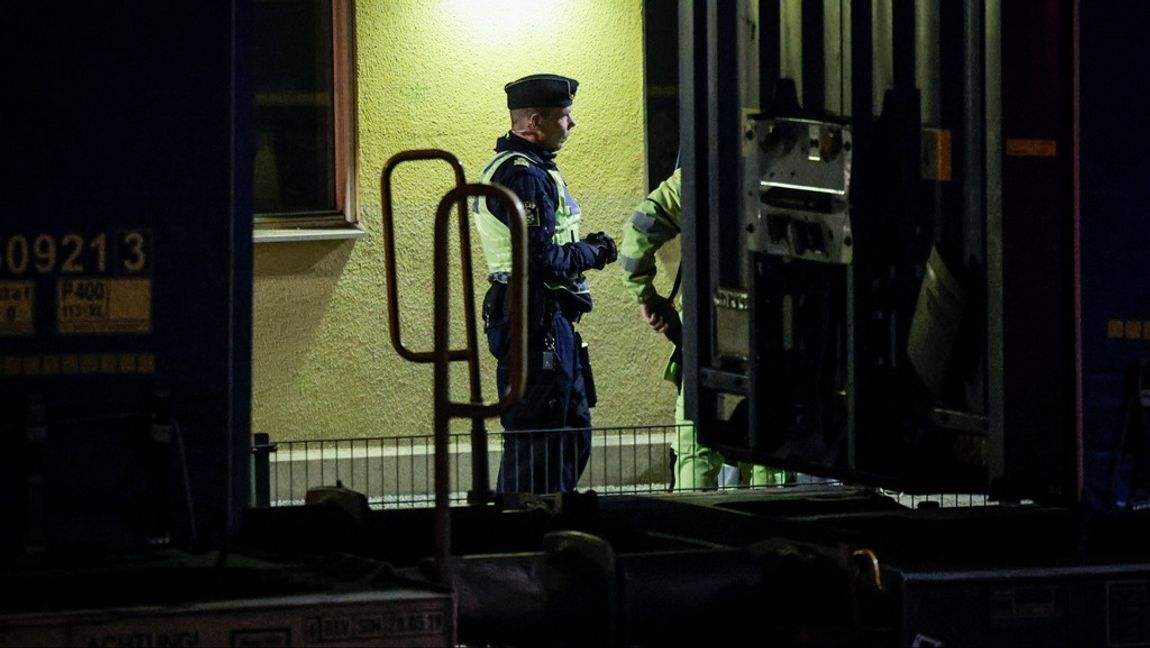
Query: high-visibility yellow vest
{"x": 495, "y": 236}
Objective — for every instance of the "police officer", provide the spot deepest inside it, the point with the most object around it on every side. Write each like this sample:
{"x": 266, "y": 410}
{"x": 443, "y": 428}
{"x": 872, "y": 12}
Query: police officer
{"x": 547, "y": 442}
{"x": 654, "y": 223}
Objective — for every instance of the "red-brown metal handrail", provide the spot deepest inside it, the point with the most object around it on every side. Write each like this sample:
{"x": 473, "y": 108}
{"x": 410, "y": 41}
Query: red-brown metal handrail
{"x": 394, "y": 329}
{"x": 441, "y": 354}
{"x": 480, "y": 489}
{"x": 517, "y": 288}
{"x": 445, "y": 409}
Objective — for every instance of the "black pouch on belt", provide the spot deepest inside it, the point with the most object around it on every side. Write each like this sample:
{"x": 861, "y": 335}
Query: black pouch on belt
{"x": 588, "y": 375}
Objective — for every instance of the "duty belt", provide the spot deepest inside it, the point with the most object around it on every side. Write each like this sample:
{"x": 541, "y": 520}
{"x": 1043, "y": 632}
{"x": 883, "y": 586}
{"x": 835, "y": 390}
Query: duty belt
{"x": 571, "y": 313}
{"x": 553, "y": 298}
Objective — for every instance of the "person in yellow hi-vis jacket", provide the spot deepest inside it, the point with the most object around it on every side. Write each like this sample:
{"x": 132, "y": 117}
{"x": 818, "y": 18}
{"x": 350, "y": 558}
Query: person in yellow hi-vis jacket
{"x": 654, "y": 223}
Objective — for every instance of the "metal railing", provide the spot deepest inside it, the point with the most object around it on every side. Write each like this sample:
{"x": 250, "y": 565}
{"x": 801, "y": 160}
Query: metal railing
{"x": 398, "y": 472}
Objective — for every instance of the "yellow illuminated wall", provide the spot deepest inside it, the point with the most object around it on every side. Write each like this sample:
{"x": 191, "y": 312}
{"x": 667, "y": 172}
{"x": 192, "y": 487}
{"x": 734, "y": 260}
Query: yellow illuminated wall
{"x": 430, "y": 75}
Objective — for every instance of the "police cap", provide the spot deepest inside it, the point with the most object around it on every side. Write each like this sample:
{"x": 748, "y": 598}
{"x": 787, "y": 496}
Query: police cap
{"x": 541, "y": 91}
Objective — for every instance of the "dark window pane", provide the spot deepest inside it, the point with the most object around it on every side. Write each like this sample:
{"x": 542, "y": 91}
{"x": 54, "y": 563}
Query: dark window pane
{"x": 295, "y": 161}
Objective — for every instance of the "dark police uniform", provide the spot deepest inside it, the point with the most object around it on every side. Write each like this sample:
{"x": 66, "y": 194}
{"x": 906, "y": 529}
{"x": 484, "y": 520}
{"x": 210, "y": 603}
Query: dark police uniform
{"x": 550, "y": 440}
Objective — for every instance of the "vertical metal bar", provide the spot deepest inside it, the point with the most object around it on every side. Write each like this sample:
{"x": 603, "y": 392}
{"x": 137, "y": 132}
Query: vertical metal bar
{"x": 306, "y": 467}
{"x": 790, "y": 43}
{"x": 458, "y": 464}
{"x": 261, "y": 460}
{"x": 814, "y": 59}
{"x": 1076, "y": 174}
{"x": 634, "y": 459}
{"x": 383, "y": 470}
{"x": 608, "y": 473}
{"x": 862, "y": 57}
{"x": 881, "y": 53}
{"x": 967, "y": 105}
{"x": 650, "y": 463}
{"x": 845, "y": 57}
{"x": 769, "y": 47}
{"x": 835, "y": 62}
{"x": 590, "y": 449}
{"x": 589, "y": 472}
{"x": 725, "y": 135}
{"x": 291, "y": 473}
{"x": 693, "y": 138}
{"x": 929, "y": 65}
{"x": 444, "y": 407}
{"x": 322, "y": 465}
{"x": 480, "y": 486}
{"x": 902, "y": 43}
{"x": 614, "y": 472}
{"x": 973, "y": 160}
{"x": 996, "y": 383}
{"x": 367, "y": 468}
{"x": 274, "y": 483}
{"x": 621, "y": 451}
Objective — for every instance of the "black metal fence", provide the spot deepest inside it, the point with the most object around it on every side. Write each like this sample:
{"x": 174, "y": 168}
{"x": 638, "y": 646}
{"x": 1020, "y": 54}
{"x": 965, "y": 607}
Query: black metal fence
{"x": 397, "y": 472}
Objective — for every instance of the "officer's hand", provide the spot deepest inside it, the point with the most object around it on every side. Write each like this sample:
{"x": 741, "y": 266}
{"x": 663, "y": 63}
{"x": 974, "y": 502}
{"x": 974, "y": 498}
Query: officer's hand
{"x": 605, "y": 250}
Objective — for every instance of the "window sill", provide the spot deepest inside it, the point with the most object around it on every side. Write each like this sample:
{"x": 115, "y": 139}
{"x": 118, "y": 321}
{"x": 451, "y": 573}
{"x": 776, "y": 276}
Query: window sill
{"x": 350, "y": 232}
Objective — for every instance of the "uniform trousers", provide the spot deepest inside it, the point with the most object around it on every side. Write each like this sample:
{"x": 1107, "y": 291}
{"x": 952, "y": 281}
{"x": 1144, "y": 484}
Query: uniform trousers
{"x": 547, "y": 432}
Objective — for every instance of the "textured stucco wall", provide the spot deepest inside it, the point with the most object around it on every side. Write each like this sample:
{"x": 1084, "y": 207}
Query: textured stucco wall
{"x": 430, "y": 76}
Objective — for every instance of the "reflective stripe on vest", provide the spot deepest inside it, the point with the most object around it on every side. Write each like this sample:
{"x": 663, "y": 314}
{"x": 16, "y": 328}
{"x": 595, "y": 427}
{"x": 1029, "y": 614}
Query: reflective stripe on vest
{"x": 495, "y": 236}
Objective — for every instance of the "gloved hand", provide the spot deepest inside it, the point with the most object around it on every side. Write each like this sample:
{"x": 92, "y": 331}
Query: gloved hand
{"x": 605, "y": 250}
{"x": 660, "y": 315}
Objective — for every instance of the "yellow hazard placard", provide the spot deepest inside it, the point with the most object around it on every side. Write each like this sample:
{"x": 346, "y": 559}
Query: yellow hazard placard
{"x": 16, "y": 308}
{"x": 93, "y": 305}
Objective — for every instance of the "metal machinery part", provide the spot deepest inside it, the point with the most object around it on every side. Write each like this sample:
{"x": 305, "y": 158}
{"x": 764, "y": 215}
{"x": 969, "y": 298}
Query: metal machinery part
{"x": 951, "y": 352}
{"x": 863, "y": 290}
{"x": 801, "y": 173}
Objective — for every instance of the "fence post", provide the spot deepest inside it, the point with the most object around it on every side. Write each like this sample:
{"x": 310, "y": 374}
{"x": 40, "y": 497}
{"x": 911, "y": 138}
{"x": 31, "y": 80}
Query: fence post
{"x": 262, "y": 447}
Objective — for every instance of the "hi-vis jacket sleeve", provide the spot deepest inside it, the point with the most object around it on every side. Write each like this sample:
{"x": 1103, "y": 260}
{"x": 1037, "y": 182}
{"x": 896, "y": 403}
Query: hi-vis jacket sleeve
{"x": 655, "y": 222}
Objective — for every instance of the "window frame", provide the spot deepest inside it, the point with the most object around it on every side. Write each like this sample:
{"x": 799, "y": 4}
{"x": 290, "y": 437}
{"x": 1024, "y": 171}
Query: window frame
{"x": 345, "y": 148}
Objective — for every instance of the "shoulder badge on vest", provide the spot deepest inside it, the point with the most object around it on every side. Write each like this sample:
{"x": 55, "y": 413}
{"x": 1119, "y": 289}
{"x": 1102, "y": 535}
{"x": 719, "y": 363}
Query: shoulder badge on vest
{"x": 531, "y": 212}
{"x": 521, "y": 161}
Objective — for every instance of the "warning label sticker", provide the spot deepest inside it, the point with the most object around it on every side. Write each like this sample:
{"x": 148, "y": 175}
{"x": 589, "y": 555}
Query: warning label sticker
{"x": 1031, "y": 147}
{"x": 386, "y": 624}
{"x": 92, "y": 305}
{"x": 16, "y": 312}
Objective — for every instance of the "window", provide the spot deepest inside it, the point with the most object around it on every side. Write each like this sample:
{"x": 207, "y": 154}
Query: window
{"x": 304, "y": 115}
